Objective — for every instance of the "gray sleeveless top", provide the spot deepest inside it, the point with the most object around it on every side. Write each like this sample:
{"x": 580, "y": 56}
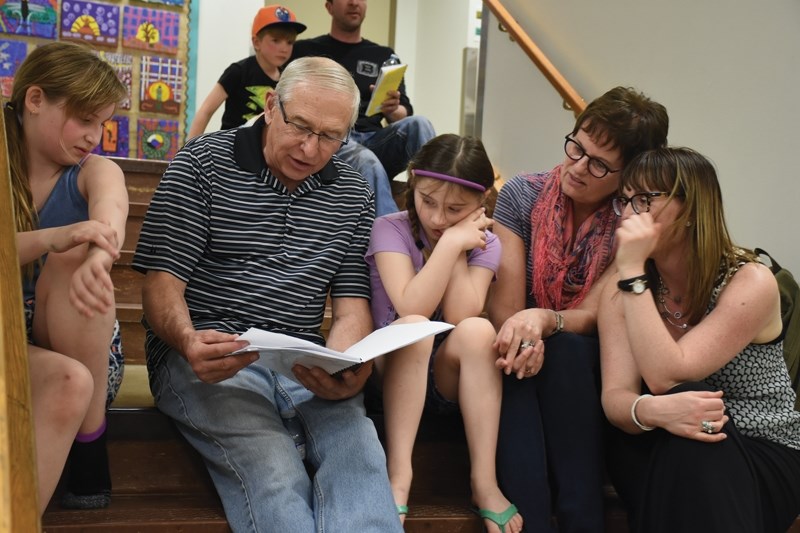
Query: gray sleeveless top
{"x": 758, "y": 391}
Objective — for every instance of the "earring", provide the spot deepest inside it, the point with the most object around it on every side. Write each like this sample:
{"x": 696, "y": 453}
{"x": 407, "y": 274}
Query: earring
{"x": 688, "y": 223}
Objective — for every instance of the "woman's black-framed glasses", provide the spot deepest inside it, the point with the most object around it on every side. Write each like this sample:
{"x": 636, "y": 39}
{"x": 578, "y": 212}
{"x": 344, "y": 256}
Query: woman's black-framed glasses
{"x": 640, "y": 202}
{"x": 575, "y": 151}
{"x": 300, "y": 131}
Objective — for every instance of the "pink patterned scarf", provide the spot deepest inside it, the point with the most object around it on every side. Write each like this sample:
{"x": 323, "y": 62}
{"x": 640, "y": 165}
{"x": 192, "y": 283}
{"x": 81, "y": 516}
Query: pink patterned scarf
{"x": 563, "y": 270}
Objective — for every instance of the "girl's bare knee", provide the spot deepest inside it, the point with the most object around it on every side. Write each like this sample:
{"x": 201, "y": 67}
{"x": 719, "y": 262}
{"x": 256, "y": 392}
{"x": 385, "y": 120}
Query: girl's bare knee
{"x": 71, "y": 391}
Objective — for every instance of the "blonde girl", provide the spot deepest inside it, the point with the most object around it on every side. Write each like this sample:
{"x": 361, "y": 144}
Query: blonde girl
{"x": 70, "y": 210}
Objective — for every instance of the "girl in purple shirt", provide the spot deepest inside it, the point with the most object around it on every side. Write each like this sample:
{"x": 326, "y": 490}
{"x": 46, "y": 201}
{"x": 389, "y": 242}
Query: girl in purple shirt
{"x": 436, "y": 261}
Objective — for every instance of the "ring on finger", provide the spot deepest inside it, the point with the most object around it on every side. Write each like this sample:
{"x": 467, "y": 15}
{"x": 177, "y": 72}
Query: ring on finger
{"x": 525, "y": 344}
{"x": 706, "y": 427}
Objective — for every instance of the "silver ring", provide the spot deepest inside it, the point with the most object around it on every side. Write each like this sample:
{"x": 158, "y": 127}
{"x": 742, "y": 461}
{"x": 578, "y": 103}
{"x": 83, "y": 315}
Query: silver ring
{"x": 525, "y": 344}
{"x": 707, "y": 427}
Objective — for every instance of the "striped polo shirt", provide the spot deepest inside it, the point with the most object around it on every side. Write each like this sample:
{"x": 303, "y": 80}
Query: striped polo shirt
{"x": 251, "y": 253}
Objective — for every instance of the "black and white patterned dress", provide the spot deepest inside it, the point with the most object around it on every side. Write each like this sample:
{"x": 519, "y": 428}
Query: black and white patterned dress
{"x": 758, "y": 391}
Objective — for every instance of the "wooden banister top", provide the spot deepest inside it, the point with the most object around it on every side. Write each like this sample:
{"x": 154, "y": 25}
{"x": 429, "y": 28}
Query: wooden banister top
{"x": 571, "y": 97}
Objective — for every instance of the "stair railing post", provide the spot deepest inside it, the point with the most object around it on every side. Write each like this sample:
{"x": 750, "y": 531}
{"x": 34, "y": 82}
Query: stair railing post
{"x": 19, "y": 509}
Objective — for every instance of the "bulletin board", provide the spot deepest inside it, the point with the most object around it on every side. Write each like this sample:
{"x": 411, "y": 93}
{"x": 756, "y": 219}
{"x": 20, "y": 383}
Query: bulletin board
{"x": 144, "y": 40}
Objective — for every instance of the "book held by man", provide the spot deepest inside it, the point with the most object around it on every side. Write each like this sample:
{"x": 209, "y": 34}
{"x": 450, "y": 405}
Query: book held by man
{"x": 281, "y": 352}
{"x": 389, "y": 79}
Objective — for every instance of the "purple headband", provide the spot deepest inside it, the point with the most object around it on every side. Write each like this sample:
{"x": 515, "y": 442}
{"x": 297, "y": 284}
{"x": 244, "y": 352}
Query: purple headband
{"x": 452, "y": 179}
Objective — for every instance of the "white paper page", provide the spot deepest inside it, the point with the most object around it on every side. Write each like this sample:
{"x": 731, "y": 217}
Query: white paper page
{"x": 282, "y": 361}
{"x": 268, "y": 340}
{"x": 394, "y": 337}
{"x": 281, "y": 352}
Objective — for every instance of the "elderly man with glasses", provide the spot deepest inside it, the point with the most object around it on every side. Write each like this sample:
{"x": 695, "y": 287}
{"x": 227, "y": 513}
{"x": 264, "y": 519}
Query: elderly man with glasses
{"x": 254, "y": 227}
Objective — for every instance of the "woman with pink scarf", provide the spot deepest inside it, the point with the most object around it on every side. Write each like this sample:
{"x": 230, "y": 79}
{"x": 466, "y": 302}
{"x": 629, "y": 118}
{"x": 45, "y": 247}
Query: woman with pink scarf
{"x": 557, "y": 233}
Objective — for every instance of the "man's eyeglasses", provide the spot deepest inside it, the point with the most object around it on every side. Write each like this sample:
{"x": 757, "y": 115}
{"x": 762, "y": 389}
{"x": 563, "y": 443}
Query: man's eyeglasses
{"x": 575, "y": 151}
{"x": 639, "y": 202}
{"x": 300, "y": 131}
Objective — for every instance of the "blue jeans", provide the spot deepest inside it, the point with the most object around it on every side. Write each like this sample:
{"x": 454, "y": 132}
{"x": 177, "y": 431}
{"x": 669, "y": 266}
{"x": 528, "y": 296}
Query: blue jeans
{"x": 380, "y": 155}
{"x": 549, "y": 450}
{"x": 237, "y": 427}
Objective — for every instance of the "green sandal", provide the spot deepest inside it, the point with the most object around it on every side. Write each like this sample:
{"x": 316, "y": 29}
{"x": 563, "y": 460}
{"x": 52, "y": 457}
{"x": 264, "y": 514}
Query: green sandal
{"x": 402, "y": 509}
{"x": 501, "y": 519}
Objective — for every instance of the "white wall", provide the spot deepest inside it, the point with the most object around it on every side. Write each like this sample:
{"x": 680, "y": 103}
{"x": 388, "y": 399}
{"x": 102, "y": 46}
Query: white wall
{"x": 430, "y": 36}
{"x": 219, "y": 45}
{"x": 728, "y": 73}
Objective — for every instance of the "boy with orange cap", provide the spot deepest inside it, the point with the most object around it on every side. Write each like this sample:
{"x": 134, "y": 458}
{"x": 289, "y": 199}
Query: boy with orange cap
{"x": 244, "y": 84}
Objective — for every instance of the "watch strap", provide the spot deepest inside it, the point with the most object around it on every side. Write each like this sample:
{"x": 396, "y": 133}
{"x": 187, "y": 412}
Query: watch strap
{"x": 636, "y": 284}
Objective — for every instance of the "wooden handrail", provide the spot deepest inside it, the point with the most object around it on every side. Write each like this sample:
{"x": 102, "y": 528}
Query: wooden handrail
{"x": 570, "y": 95}
{"x": 19, "y": 510}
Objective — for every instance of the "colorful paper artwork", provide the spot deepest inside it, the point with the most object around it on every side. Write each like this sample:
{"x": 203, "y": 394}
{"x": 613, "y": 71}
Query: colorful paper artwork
{"x": 123, "y": 65}
{"x": 91, "y": 22}
{"x": 155, "y": 30}
{"x": 160, "y": 85}
{"x": 156, "y": 138}
{"x": 12, "y": 53}
{"x": 115, "y": 137}
{"x": 31, "y": 18}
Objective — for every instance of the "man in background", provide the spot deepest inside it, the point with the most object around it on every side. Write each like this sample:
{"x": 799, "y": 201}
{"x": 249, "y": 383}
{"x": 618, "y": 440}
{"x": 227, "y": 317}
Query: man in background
{"x": 379, "y": 152}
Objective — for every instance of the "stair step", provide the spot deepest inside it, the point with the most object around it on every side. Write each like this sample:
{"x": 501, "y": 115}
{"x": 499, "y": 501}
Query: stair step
{"x": 161, "y": 513}
{"x": 141, "y": 177}
{"x": 161, "y": 484}
{"x": 135, "y": 390}
{"x": 127, "y": 284}
{"x": 125, "y": 257}
{"x": 133, "y": 224}
{"x": 139, "y": 513}
{"x": 129, "y": 316}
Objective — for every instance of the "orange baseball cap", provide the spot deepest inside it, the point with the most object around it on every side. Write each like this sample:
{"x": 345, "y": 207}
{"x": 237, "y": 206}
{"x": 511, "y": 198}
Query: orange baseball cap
{"x": 275, "y": 15}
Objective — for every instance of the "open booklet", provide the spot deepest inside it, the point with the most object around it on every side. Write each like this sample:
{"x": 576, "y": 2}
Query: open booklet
{"x": 389, "y": 79}
{"x": 280, "y": 352}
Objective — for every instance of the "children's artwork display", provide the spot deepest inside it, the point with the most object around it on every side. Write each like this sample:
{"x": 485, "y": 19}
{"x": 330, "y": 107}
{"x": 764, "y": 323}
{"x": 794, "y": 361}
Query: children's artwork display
{"x": 115, "y": 137}
{"x": 156, "y": 138}
{"x": 91, "y": 22}
{"x": 165, "y": 2}
{"x": 123, "y": 65}
{"x": 12, "y": 53}
{"x": 155, "y": 30}
{"x": 29, "y": 18}
{"x": 144, "y": 41}
{"x": 161, "y": 85}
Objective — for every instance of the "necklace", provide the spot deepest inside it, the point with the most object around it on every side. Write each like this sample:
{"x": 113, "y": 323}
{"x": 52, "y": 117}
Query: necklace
{"x": 667, "y": 313}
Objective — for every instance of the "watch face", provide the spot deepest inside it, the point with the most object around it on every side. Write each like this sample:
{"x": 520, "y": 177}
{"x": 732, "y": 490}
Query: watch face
{"x": 639, "y": 286}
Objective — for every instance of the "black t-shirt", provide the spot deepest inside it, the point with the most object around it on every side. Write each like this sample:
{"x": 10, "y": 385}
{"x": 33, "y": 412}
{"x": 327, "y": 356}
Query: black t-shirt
{"x": 247, "y": 87}
{"x": 363, "y": 60}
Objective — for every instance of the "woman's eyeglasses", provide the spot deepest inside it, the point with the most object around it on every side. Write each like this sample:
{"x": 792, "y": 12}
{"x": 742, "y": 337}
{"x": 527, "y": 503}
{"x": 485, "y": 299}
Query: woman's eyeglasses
{"x": 639, "y": 202}
{"x": 575, "y": 151}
